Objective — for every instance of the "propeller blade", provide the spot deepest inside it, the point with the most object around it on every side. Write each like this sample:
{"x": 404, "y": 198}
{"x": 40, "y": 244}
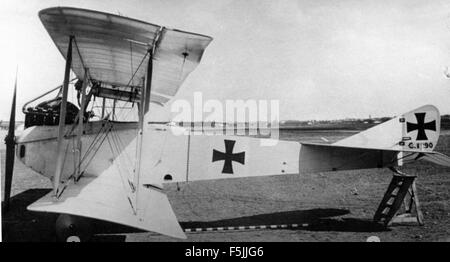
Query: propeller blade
{"x": 10, "y": 148}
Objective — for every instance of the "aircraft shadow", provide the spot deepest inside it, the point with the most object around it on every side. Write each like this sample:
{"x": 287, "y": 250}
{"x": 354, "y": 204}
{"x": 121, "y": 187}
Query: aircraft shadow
{"x": 278, "y": 218}
{"x": 318, "y": 219}
{"x": 21, "y": 225}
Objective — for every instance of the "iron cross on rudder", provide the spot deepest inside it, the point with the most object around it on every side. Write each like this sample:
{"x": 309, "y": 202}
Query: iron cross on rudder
{"x": 421, "y": 126}
{"x": 228, "y": 157}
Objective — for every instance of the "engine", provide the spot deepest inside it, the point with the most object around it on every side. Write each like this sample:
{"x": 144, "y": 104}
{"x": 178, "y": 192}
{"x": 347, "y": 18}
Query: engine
{"x": 47, "y": 113}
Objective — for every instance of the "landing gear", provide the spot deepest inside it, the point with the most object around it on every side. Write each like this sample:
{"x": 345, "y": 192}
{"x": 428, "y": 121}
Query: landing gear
{"x": 73, "y": 228}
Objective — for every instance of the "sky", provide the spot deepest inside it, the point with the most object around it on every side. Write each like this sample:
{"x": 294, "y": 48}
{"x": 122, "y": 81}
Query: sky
{"x": 320, "y": 59}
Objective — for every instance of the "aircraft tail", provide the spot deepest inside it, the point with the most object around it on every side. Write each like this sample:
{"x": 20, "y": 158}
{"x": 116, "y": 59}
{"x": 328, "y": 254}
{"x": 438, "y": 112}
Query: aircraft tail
{"x": 409, "y": 137}
{"x": 414, "y": 131}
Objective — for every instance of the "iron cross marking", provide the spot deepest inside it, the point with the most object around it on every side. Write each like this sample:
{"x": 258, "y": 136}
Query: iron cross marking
{"x": 228, "y": 157}
{"x": 421, "y": 126}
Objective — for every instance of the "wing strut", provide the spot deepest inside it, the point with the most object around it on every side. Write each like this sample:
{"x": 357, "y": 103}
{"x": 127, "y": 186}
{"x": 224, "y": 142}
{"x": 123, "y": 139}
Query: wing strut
{"x": 62, "y": 120}
{"x": 81, "y": 124}
{"x": 144, "y": 106}
{"x": 103, "y": 108}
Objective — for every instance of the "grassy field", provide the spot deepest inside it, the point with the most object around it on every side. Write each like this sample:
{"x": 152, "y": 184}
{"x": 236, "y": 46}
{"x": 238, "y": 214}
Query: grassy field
{"x": 338, "y": 206}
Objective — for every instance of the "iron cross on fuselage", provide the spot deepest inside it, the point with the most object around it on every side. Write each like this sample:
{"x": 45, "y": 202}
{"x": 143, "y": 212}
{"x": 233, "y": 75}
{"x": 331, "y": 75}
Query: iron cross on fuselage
{"x": 421, "y": 126}
{"x": 228, "y": 157}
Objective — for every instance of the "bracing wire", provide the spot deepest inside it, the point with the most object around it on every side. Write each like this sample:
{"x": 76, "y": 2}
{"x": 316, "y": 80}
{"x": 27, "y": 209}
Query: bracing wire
{"x": 95, "y": 152}
{"x": 116, "y": 156}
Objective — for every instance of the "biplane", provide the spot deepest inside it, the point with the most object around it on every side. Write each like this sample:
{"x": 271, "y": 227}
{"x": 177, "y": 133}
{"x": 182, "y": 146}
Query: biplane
{"x": 104, "y": 168}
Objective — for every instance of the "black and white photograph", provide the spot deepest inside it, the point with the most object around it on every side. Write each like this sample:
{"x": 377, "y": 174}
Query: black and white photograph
{"x": 231, "y": 121}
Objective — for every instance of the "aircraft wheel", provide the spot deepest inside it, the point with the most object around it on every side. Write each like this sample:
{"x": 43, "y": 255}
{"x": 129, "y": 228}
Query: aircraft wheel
{"x": 73, "y": 228}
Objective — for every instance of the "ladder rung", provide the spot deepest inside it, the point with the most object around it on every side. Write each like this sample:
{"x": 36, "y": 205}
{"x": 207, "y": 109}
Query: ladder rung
{"x": 393, "y": 198}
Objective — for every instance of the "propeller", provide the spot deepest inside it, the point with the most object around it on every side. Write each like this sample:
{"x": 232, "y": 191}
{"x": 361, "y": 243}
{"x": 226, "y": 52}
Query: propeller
{"x": 10, "y": 148}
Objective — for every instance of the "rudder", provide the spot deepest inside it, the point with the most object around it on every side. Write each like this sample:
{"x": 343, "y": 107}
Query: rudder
{"x": 417, "y": 130}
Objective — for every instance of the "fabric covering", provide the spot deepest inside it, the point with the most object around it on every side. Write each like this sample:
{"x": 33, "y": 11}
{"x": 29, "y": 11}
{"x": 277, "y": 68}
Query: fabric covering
{"x": 114, "y": 48}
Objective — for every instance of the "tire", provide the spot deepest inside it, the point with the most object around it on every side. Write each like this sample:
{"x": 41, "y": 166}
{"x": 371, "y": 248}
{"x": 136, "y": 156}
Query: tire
{"x": 71, "y": 228}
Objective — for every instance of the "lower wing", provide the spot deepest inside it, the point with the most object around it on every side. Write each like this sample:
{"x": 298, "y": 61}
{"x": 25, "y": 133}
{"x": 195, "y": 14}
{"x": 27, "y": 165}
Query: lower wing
{"x": 108, "y": 197}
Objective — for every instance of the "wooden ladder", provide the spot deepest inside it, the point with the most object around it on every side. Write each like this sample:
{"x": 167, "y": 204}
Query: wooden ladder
{"x": 402, "y": 189}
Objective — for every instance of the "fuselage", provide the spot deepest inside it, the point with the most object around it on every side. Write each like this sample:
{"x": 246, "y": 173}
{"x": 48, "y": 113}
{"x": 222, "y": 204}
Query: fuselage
{"x": 101, "y": 142}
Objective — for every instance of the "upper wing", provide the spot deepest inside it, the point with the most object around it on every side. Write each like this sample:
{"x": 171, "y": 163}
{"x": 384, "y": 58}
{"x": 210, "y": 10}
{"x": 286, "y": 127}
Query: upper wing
{"x": 114, "y": 49}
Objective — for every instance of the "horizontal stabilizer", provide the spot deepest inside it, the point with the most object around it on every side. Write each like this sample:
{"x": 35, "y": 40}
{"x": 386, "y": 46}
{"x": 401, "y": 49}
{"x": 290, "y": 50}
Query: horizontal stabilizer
{"x": 435, "y": 158}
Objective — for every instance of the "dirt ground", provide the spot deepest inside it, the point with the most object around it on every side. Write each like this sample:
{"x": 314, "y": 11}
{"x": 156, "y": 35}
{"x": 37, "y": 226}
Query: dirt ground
{"x": 337, "y": 206}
